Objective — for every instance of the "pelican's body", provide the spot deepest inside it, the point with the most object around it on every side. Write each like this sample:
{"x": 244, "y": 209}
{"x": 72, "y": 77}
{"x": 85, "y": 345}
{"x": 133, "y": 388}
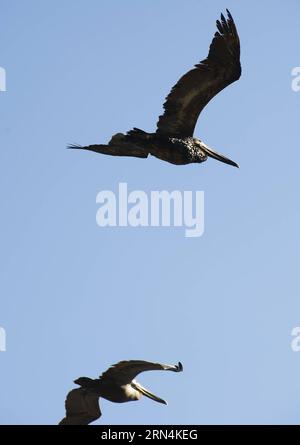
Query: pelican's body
{"x": 178, "y": 151}
{"x": 117, "y": 385}
{"x": 109, "y": 390}
{"x": 173, "y": 140}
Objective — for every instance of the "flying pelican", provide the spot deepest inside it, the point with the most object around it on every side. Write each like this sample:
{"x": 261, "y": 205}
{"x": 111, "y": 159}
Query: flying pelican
{"x": 173, "y": 140}
{"x": 117, "y": 384}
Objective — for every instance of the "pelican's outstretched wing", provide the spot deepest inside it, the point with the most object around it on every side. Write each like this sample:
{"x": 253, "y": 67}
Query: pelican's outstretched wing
{"x": 82, "y": 407}
{"x": 114, "y": 150}
{"x": 199, "y": 85}
{"x": 124, "y": 372}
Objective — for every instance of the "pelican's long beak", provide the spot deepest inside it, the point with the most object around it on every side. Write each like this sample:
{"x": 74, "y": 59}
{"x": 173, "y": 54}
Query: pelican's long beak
{"x": 147, "y": 393}
{"x": 213, "y": 154}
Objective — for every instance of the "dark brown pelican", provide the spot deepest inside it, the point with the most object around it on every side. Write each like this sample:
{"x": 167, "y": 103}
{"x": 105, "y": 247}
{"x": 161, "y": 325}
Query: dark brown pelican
{"x": 173, "y": 140}
{"x": 117, "y": 384}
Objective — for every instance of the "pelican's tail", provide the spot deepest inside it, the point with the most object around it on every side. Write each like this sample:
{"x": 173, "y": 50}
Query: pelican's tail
{"x": 138, "y": 135}
{"x": 85, "y": 382}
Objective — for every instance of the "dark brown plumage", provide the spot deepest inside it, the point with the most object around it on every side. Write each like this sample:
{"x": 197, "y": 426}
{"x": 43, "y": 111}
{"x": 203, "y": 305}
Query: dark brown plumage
{"x": 117, "y": 384}
{"x": 198, "y": 86}
{"x": 173, "y": 140}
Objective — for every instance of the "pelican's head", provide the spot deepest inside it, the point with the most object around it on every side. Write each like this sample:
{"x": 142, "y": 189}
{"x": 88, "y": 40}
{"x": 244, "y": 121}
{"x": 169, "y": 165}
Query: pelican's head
{"x": 143, "y": 391}
{"x": 213, "y": 154}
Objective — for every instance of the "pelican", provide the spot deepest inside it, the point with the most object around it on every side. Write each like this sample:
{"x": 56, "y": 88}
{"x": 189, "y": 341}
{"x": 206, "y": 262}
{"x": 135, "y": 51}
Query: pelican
{"x": 117, "y": 384}
{"x": 173, "y": 140}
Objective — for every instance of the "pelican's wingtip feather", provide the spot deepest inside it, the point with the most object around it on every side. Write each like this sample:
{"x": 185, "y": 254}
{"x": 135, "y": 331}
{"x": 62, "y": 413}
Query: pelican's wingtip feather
{"x": 72, "y": 146}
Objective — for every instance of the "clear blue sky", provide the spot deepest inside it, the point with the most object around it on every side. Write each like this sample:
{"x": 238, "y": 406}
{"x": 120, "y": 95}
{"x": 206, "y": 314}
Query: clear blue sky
{"x": 76, "y": 298}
